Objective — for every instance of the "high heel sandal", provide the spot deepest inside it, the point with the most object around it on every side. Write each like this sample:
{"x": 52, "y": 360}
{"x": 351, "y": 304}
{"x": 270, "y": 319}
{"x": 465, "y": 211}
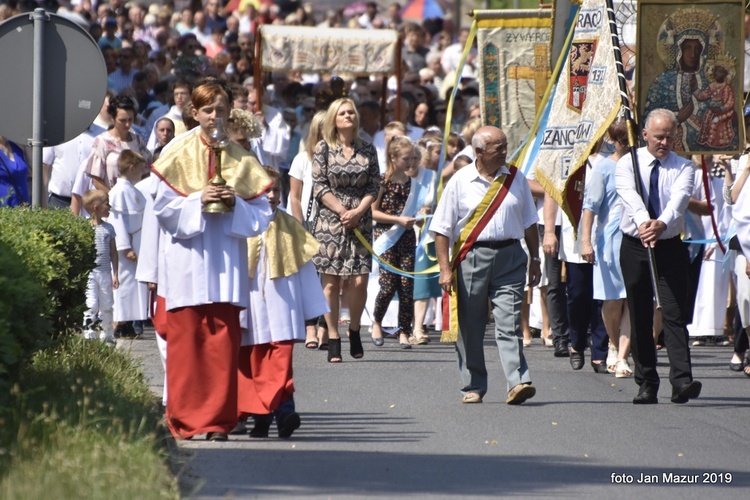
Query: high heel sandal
{"x": 334, "y": 350}
{"x": 355, "y": 345}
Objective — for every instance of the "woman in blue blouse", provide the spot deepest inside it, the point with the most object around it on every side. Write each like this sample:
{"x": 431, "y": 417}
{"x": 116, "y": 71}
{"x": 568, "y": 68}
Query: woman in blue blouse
{"x": 14, "y": 171}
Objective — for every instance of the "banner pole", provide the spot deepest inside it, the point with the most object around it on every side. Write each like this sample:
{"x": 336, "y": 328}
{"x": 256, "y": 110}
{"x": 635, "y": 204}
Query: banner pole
{"x": 632, "y": 141}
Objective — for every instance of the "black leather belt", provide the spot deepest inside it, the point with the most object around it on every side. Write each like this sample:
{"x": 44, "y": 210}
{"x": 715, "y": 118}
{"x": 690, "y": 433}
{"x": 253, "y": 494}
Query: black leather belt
{"x": 495, "y": 245}
{"x": 66, "y": 199}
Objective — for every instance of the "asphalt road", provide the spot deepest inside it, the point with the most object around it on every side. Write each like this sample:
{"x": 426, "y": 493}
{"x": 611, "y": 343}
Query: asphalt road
{"x": 392, "y": 425}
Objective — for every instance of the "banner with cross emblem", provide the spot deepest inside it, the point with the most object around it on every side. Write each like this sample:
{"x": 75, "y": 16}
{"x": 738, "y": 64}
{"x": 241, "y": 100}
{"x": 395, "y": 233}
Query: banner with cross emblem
{"x": 514, "y": 68}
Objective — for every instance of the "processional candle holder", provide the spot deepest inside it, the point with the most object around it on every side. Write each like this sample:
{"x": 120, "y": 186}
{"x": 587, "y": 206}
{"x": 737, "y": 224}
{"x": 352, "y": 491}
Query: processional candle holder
{"x": 219, "y": 141}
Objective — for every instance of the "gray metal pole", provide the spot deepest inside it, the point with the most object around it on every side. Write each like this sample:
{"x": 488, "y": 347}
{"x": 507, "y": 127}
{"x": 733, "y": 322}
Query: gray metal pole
{"x": 36, "y": 142}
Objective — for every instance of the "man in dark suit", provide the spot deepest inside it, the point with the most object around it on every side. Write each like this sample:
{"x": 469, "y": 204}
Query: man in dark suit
{"x": 656, "y": 222}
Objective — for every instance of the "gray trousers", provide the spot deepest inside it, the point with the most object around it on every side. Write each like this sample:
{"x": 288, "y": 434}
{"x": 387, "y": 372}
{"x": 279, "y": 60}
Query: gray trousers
{"x": 499, "y": 275}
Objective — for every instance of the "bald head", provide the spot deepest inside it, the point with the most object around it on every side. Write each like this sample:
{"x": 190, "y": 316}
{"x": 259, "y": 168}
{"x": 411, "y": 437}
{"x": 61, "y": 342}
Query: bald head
{"x": 491, "y": 147}
{"x": 485, "y": 135}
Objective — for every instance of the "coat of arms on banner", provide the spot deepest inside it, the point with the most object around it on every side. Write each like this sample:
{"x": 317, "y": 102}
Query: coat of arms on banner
{"x": 582, "y": 104}
{"x": 581, "y": 57}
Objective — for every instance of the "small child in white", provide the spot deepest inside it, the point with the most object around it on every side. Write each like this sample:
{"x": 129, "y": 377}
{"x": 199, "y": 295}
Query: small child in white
{"x": 284, "y": 291}
{"x": 103, "y": 279}
{"x": 127, "y": 205}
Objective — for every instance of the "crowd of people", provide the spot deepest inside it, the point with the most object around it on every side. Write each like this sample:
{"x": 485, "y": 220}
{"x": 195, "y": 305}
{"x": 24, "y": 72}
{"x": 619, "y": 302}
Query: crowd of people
{"x": 317, "y": 183}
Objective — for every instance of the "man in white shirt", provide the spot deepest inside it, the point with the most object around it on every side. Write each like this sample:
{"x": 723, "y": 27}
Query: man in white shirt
{"x": 369, "y": 20}
{"x": 181, "y": 96}
{"x": 122, "y": 77}
{"x": 452, "y": 53}
{"x": 667, "y": 181}
{"x": 276, "y": 132}
{"x": 495, "y": 264}
{"x": 61, "y": 164}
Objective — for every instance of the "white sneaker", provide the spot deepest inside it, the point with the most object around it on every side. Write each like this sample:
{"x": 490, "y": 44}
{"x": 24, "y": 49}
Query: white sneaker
{"x": 698, "y": 343}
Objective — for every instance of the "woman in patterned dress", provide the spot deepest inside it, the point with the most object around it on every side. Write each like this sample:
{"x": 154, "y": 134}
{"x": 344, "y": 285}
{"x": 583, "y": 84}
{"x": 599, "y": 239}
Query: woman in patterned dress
{"x": 346, "y": 181}
{"x": 102, "y": 164}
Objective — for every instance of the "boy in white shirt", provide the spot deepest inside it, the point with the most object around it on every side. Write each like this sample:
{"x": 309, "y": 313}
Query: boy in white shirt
{"x": 127, "y": 207}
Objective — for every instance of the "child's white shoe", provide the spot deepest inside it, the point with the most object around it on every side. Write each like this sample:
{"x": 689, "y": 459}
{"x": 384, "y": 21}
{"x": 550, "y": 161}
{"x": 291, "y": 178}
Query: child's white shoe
{"x": 108, "y": 339}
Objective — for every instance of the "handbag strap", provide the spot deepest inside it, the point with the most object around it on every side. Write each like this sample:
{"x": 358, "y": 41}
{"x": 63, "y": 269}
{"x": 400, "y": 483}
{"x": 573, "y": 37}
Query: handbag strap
{"x": 312, "y": 196}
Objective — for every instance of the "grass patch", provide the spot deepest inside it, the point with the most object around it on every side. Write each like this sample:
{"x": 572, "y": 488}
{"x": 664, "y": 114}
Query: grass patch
{"x": 83, "y": 424}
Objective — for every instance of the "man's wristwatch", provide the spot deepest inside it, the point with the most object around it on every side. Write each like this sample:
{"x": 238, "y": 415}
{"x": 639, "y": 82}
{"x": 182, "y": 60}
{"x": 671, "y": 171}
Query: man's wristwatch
{"x": 536, "y": 259}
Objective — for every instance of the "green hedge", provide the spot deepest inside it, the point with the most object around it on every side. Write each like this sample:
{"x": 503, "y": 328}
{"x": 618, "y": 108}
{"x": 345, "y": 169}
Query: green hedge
{"x": 57, "y": 248}
{"x": 45, "y": 258}
{"x": 23, "y": 327}
{"x": 84, "y": 424}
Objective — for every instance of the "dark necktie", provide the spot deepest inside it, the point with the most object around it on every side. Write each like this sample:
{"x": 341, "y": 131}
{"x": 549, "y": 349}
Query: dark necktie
{"x": 654, "y": 208}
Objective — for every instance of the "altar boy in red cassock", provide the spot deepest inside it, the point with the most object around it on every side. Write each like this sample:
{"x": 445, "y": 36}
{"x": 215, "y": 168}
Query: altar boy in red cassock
{"x": 205, "y": 277}
{"x": 285, "y": 291}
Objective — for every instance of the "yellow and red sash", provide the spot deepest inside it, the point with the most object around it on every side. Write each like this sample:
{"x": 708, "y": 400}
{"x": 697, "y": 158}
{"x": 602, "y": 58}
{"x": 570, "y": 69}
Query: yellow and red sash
{"x": 491, "y": 201}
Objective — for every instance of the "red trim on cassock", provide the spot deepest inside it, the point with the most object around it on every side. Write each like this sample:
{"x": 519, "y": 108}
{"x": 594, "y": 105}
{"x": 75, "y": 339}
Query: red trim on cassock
{"x": 265, "y": 377}
{"x": 203, "y": 350}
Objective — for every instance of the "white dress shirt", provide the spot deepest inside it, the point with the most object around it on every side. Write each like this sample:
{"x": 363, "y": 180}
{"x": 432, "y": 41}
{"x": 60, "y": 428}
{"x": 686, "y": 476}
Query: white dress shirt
{"x": 463, "y": 193}
{"x": 64, "y": 160}
{"x": 675, "y": 188}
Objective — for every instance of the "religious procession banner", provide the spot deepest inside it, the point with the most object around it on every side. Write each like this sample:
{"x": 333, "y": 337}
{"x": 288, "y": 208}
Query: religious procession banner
{"x": 514, "y": 68}
{"x": 691, "y": 61}
{"x": 564, "y": 20}
{"x": 585, "y": 100}
{"x": 314, "y": 50}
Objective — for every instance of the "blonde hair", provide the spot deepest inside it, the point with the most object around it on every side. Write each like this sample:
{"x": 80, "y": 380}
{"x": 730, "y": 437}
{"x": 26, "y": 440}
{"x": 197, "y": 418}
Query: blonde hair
{"x": 395, "y": 147}
{"x": 471, "y": 128}
{"x": 395, "y": 126}
{"x": 244, "y": 122}
{"x": 314, "y": 134}
{"x": 330, "y": 133}
{"x": 92, "y": 198}
{"x": 128, "y": 158}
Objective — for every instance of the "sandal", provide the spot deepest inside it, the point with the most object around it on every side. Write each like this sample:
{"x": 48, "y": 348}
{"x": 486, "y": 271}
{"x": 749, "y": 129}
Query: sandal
{"x": 746, "y": 371}
{"x": 420, "y": 338}
{"x": 311, "y": 344}
{"x": 520, "y": 393}
{"x": 611, "y": 359}
{"x": 334, "y": 351}
{"x": 355, "y": 345}
{"x": 623, "y": 370}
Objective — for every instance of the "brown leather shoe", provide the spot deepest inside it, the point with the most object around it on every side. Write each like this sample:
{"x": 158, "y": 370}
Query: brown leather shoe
{"x": 520, "y": 393}
{"x": 471, "y": 398}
